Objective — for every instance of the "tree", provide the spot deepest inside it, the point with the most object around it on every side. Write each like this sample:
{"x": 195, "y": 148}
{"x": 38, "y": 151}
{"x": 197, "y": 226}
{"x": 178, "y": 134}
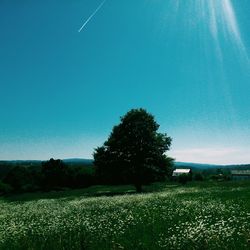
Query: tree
{"x": 134, "y": 152}
{"x": 54, "y": 174}
{"x": 19, "y": 179}
{"x": 5, "y": 188}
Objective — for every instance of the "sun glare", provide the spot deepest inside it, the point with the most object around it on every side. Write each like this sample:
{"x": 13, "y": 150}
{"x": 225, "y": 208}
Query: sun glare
{"x": 221, "y": 19}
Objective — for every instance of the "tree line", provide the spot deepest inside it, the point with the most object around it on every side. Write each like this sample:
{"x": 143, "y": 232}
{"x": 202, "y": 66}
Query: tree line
{"x": 51, "y": 175}
{"x": 134, "y": 153}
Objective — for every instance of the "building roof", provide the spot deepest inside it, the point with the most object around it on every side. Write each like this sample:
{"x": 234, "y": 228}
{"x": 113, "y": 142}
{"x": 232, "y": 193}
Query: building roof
{"x": 182, "y": 171}
{"x": 240, "y": 172}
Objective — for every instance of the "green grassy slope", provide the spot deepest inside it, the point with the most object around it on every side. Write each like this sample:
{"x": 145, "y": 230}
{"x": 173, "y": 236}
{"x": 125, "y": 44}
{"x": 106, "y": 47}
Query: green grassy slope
{"x": 208, "y": 215}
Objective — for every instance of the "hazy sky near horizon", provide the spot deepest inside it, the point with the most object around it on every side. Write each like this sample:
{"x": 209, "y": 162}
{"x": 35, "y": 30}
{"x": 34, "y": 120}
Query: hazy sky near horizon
{"x": 186, "y": 62}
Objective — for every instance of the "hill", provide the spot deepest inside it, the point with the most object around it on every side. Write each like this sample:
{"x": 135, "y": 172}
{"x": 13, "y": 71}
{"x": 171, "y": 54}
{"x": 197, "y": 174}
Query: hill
{"x": 78, "y": 161}
{"x": 196, "y": 165}
{"x": 202, "y": 166}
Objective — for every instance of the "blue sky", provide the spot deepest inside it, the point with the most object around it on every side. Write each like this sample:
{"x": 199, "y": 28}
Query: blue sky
{"x": 186, "y": 62}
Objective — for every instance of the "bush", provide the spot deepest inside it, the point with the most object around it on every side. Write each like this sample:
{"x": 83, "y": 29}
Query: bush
{"x": 5, "y": 188}
{"x": 183, "y": 178}
{"x": 17, "y": 178}
{"x": 198, "y": 177}
{"x": 221, "y": 177}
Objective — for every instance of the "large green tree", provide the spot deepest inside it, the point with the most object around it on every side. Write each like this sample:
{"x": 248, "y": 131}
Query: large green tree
{"x": 134, "y": 152}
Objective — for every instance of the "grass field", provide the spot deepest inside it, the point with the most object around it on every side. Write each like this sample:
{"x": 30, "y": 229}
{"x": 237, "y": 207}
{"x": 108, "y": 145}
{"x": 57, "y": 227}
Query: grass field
{"x": 209, "y": 215}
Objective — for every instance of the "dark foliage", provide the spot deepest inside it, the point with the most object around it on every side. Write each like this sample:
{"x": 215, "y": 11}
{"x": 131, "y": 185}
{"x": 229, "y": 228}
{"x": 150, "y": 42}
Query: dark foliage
{"x": 77, "y": 177}
{"x": 4, "y": 169}
{"x": 198, "y": 177}
{"x": 49, "y": 175}
{"x": 134, "y": 152}
{"x": 54, "y": 174}
{"x": 220, "y": 177}
{"x": 183, "y": 178}
{"x": 5, "y": 188}
{"x": 20, "y": 179}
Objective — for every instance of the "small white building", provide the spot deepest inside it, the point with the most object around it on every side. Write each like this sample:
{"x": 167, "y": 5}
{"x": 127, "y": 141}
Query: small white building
{"x": 179, "y": 171}
{"x": 240, "y": 174}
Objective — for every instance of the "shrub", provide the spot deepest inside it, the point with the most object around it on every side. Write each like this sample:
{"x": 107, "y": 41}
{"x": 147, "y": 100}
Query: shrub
{"x": 17, "y": 178}
{"x": 5, "y": 188}
{"x": 198, "y": 177}
{"x": 183, "y": 178}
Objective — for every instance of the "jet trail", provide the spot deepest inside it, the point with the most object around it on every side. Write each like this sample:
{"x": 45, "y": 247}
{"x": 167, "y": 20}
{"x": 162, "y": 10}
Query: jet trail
{"x": 92, "y": 15}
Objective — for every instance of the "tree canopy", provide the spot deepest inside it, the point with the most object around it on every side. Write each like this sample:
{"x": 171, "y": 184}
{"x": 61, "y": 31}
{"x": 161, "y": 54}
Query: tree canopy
{"x": 134, "y": 152}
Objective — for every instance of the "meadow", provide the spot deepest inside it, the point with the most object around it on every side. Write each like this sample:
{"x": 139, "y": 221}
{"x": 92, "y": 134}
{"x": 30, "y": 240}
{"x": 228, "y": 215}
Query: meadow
{"x": 199, "y": 215}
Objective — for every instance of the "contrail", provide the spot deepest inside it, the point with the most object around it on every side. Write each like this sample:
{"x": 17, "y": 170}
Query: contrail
{"x": 93, "y": 14}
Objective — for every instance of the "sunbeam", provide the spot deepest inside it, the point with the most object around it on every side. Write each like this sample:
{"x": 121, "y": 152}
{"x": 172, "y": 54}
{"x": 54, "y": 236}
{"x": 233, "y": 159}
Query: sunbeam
{"x": 221, "y": 19}
{"x": 222, "y": 12}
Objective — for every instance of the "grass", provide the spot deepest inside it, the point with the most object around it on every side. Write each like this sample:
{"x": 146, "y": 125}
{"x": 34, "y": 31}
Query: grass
{"x": 206, "y": 215}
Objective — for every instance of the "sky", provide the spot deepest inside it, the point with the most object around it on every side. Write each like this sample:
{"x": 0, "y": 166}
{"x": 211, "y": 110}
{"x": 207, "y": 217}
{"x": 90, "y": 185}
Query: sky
{"x": 70, "y": 69}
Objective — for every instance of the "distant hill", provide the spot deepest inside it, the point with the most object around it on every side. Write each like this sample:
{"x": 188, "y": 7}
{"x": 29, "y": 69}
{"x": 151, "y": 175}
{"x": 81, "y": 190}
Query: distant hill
{"x": 196, "y": 165}
{"x": 201, "y": 166}
{"x": 22, "y": 162}
{"x": 78, "y": 160}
